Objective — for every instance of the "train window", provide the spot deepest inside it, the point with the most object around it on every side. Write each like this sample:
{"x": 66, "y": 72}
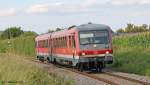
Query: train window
{"x": 94, "y": 37}
{"x": 39, "y": 44}
{"x": 69, "y": 41}
{"x": 65, "y": 42}
{"x": 46, "y": 43}
{"x": 63, "y": 45}
{"x": 62, "y": 42}
{"x": 42, "y": 44}
{"x": 56, "y": 45}
{"x": 73, "y": 42}
{"x": 58, "y": 42}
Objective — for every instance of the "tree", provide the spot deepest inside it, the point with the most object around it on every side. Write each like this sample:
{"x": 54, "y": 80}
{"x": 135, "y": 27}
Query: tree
{"x": 58, "y": 29}
{"x": 129, "y": 28}
{"x": 149, "y": 27}
{"x": 11, "y": 32}
{"x": 29, "y": 33}
{"x": 120, "y": 30}
{"x": 50, "y": 31}
{"x": 145, "y": 26}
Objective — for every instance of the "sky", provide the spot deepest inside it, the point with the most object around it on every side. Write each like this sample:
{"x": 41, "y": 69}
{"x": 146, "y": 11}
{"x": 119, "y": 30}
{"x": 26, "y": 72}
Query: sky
{"x": 42, "y": 15}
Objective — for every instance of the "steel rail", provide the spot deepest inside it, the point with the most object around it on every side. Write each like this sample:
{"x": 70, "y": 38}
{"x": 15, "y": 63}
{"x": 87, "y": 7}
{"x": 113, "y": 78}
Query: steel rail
{"x": 127, "y": 78}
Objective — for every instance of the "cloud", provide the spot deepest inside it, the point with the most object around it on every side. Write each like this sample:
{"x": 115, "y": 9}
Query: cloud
{"x": 42, "y": 8}
{"x": 39, "y": 8}
{"x": 129, "y": 2}
{"x": 88, "y": 3}
{"x": 7, "y": 12}
{"x": 114, "y": 2}
{"x": 83, "y": 6}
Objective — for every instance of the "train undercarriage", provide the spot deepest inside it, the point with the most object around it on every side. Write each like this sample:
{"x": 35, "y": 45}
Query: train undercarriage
{"x": 89, "y": 64}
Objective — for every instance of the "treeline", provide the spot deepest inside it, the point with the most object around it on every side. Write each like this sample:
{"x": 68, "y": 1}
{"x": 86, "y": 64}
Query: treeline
{"x": 13, "y": 32}
{"x": 59, "y": 29}
{"x": 131, "y": 28}
{"x": 51, "y": 31}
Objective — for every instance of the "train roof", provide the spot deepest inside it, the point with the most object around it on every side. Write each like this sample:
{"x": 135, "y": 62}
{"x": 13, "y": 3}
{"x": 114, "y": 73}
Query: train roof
{"x": 92, "y": 27}
{"x": 42, "y": 37}
{"x": 68, "y": 31}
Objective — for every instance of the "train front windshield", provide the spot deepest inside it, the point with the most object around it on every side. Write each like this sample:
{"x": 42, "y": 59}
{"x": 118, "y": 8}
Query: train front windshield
{"x": 94, "y": 38}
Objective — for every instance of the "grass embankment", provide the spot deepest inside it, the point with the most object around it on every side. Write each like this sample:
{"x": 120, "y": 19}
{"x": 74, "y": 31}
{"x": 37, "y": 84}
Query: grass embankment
{"x": 132, "y": 53}
{"x": 14, "y": 68}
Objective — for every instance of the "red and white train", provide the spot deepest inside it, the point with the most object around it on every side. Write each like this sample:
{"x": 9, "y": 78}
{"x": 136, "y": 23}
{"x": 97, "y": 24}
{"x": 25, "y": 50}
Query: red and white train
{"x": 86, "y": 46}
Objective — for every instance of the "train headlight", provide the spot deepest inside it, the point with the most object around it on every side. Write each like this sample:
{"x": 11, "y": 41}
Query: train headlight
{"x": 83, "y": 53}
{"x": 107, "y": 52}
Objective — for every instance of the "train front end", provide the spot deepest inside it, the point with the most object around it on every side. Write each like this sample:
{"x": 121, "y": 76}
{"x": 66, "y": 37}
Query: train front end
{"x": 95, "y": 46}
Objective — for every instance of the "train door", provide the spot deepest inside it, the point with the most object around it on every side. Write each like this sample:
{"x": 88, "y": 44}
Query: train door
{"x": 50, "y": 47}
{"x": 73, "y": 46}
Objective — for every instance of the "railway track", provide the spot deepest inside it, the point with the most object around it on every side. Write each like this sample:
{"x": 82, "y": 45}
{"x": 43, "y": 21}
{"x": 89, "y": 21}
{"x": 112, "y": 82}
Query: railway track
{"x": 95, "y": 75}
{"x": 127, "y": 78}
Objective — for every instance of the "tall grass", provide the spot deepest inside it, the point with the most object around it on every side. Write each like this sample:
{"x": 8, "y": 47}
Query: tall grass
{"x": 132, "y": 53}
{"x": 23, "y": 45}
{"x": 14, "y": 68}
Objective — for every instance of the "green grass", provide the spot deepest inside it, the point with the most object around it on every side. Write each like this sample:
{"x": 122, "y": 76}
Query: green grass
{"x": 23, "y": 45}
{"x": 132, "y": 53}
{"x": 15, "y": 68}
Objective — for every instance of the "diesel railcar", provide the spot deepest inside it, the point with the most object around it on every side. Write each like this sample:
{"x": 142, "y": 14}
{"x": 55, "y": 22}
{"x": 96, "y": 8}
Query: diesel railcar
{"x": 88, "y": 46}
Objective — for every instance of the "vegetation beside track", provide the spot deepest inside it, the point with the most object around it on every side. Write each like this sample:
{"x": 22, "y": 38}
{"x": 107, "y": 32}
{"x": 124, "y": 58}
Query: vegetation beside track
{"x": 13, "y": 68}
{"x": 132, "y": 53}
{"x": 22, "y": 45}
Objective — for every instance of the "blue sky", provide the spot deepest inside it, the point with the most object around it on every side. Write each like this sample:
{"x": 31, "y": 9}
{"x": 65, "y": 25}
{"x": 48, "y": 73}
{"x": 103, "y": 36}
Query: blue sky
{"x": 41, "y": 15}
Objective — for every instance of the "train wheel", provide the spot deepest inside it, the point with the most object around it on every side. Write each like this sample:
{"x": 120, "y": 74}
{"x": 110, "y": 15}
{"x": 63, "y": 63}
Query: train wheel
{"x": 99, "y": 69}
{"x": 54, "y": 61}
{"x": 40, "y": 58}
{"x": 48, "y": 60}
{"x": 81, "y": 67}
{"x": 78, "y": 66}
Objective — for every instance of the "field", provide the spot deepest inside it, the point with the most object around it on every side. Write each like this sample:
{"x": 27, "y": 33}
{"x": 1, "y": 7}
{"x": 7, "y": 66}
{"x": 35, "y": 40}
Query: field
{"x": 132, "y": 53}
{"x": 13, "y": 67}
